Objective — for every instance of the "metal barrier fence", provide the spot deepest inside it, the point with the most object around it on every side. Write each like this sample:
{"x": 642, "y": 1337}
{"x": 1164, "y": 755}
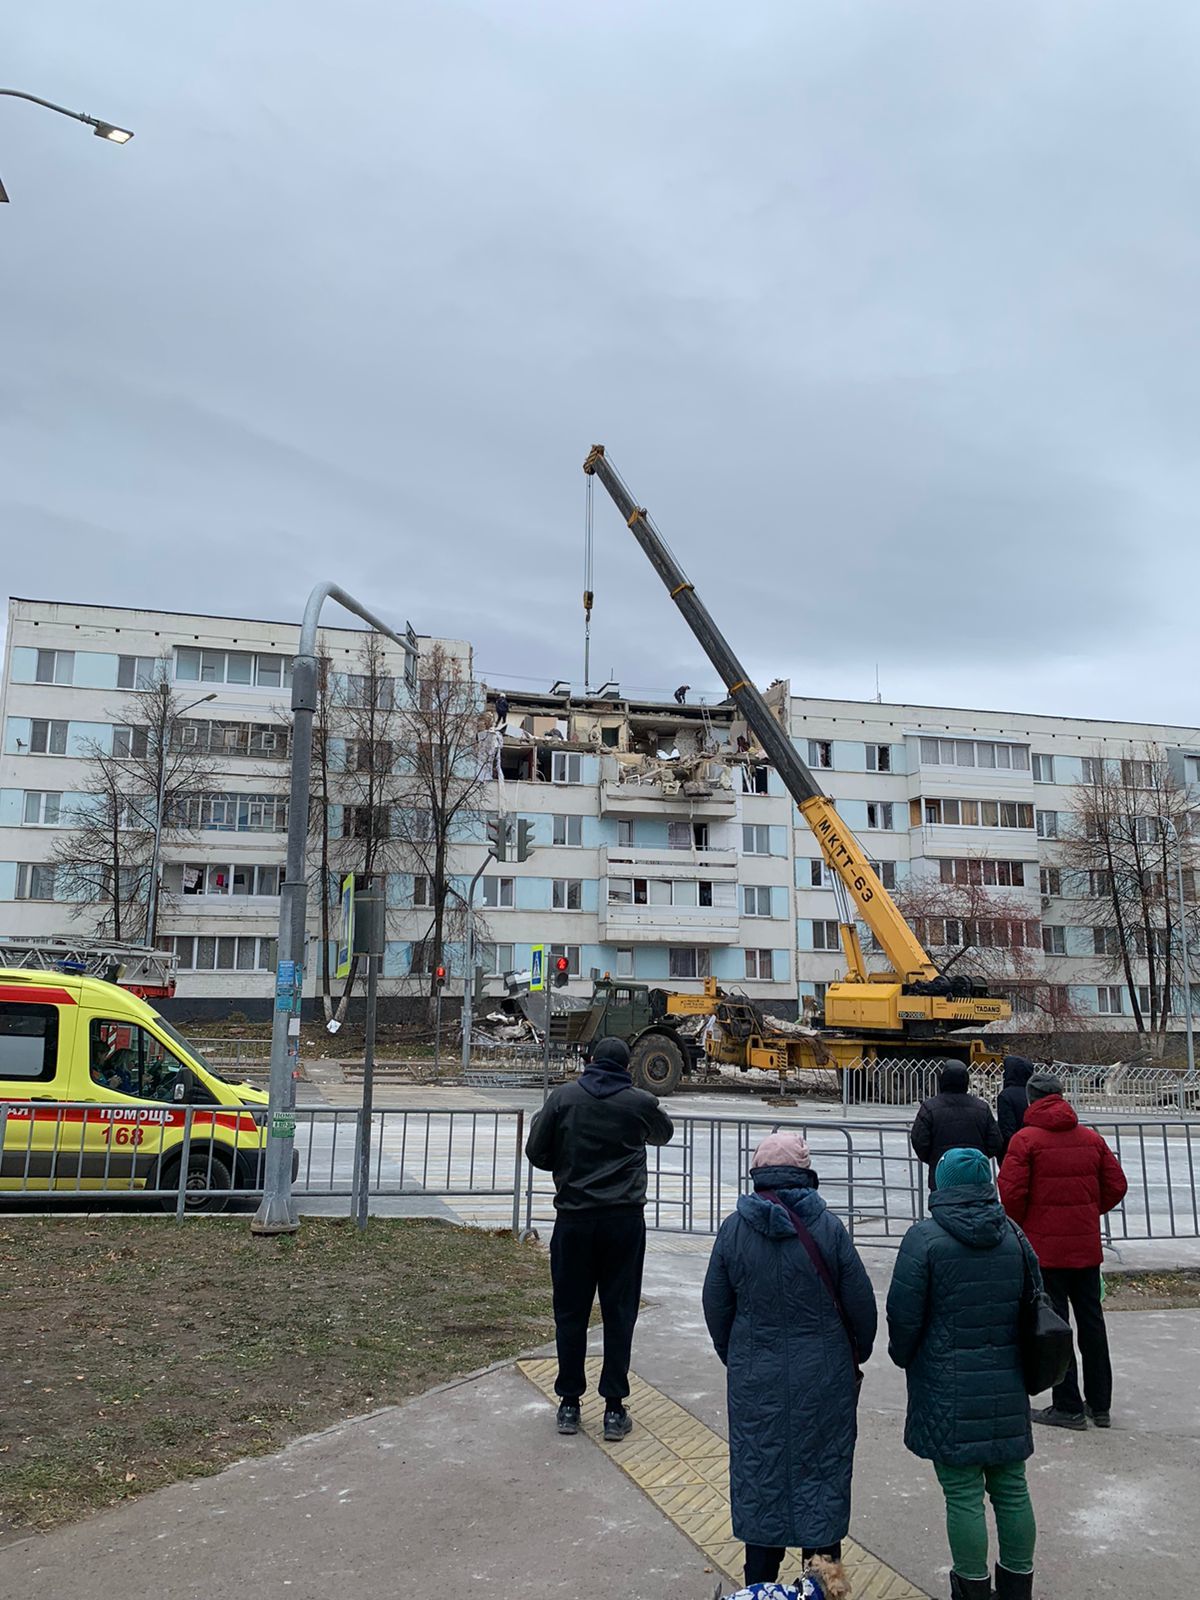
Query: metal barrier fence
{"x": 233, "y": 1056}
{"x": 1124, "y": 1087}
{"x": 469, "y": 1165}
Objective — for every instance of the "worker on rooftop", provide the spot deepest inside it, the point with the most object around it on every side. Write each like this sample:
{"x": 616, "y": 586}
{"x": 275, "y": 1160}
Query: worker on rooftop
{"x": 681, "y": 693}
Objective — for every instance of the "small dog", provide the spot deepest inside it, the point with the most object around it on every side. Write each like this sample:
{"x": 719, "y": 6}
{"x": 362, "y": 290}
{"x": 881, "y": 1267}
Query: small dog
{"x": 822, "y": 1580}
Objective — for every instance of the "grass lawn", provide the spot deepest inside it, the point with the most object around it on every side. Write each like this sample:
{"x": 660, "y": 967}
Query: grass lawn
{"x": 138, "y": 1350}
{"x": 1152, "y": 1291}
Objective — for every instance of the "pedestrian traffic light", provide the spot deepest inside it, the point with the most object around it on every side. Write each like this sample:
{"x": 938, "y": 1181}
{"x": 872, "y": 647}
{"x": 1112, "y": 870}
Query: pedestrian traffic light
{"x": 525, "y": 844}
{"x": 439, "y": 976}
{"x": 562, "y": 971}
{"x": 498, "y": 833}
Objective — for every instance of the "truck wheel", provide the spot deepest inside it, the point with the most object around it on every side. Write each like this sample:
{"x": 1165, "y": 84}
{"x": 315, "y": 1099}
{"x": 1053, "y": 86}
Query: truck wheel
{"x": 656, "y": 1063}
{"x": 206, "y": 1179}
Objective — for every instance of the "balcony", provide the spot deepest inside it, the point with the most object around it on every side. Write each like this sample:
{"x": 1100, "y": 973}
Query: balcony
{"x": 698, "y": 800}
{"x": 668, "y": 924}
{"x": 631, "y": 861}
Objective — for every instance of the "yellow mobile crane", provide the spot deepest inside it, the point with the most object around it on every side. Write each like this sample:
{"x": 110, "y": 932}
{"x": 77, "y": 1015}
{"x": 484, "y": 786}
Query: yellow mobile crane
{"x": 912, "y": 1009}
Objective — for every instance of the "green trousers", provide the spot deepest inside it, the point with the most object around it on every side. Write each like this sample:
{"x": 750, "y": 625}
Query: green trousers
{"x": 966, "y": 1523}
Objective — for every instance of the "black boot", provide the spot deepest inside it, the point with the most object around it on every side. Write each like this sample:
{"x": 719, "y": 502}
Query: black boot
{"x": 969, "y": 1588}
{"x": 1013, "y": 1585}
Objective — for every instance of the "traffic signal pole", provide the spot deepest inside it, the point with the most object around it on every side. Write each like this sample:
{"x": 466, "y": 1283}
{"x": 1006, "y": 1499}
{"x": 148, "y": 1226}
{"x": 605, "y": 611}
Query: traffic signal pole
{"x": 469, "y": 979}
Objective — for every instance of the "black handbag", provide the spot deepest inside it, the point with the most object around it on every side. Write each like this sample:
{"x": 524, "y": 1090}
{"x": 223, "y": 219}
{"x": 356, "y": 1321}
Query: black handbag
{"x": 1043, "y": 1336}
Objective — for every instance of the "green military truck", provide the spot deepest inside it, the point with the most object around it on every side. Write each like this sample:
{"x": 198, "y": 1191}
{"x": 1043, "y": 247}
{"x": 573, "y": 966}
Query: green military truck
{"x": 621, "y": 1009}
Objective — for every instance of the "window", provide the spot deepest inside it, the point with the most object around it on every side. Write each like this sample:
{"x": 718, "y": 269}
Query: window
{"x": 566, "y": 767}
{"x": 1137, "y": 774}
{"x": 35, "y": 881}
{"x": 826, "y": 936}
{"x": 620, "y": 891}
{"x": 365, "y": 822}
{"x": 370, "y": 691}
{"x": 1054, "y": 941}
{"x": 1105, "y": 942}
{"x": 983, "y": 870}
{"x": 574, "y": 955}
{"x": 679, "y": 835}
{"x": 131, "y": 744}
{"x": 1047, "y": 824}
{"x": 1050, "y": 879}
{"x": 1191, "y": 769}
{"x": 28, "y": 1041}
{"x": 48, "y": 738}
{"x": 569, "y": 831}
{"x": 137, "y": 672}
{"x": 974, "y": 753}
{"x": 1146, "y": 829}
{"x": 820, "y": 753}
{"x": 1099, "y": 884}
{"x": 497, "y": 959}
{"x": 955, "y": 813}
{"x": 879, "y": 758}
{"x": 756, "y": 900}
{"x": 55, "y": 666}
{"x": 1043, "y": 769}
{"x": 704, "y": 892}
{"x": 885, "y": 871}
{"x": 244, "y": 667}
{"x": 754, "y": 779}
{"x": 756, "y": 839}
{"x": 234, "y": 813}
{"x": 42, "y": 807}
{"x": 879, "y": 813}
{"x": 684, "y": 961}
{"x": 368, "y": 755}
{"x": 818, "y": 874}
{"x": 422, "y": 896}
{"x": 625, "y": 962}
{"x": 266, "y": 740}
{"x": 497, "y": 893}
{"x": 1093, "y": 769}
{"x": 625, "y": 834}
{"x": 567, "y": 894}
{"x": 1110, "y": 1000}
{"x": 760, "y": 965}
{"x": 420, "y": 958}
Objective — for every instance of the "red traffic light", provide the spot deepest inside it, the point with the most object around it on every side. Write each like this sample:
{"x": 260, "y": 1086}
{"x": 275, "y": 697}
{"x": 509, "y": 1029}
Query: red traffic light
{"x": 561, "y": 964}
{"x": 439, "y": 974}
{"x": 561, "y": 971}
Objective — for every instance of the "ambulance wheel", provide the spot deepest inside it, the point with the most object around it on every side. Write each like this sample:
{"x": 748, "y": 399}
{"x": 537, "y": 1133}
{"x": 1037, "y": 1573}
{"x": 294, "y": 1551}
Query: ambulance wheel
{"x": 207, "y": 1184}
{"x": 656, "y": 1063}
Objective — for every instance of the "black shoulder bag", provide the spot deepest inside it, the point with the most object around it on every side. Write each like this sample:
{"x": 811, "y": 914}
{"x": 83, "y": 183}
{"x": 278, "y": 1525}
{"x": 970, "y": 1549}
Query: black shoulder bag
{"x": 821, "y": 1268}
{"x": 1043, "y": 1336}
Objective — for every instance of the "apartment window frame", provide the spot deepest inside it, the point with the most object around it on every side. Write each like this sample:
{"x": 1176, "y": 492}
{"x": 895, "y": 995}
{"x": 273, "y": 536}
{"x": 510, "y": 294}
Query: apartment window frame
{"x": 1050, "y": 882}
{"x": 1110, "y": 999}
{"x": 885, "y": 871}
{"x": 42, "y": 799}
{"x": 55, "y": 732}
{"x": 36, "y": 880}
{"x": 1043, "y": 767}
{"x": 266, "y": 669}
{"x": 1054, "y": 939}
{"x": 566, "y": 824}
{"x": 826, "y": 935}
{"x": 879, "y": 758}
{"x": 497, "y": 893}
{"x": 681, "y": 957}
{"x": 820, "y": 754}
{"x": 566, "y": 766}
{"x": 624, "y": 962}
{"x": 566, "y": 894}
{"x": 754, "y": 833}
{"x": 755, "y": 895}
{"x": 881, "y": 816}
{"x": 755, "y": 961}
{"x": 54, "y": 667}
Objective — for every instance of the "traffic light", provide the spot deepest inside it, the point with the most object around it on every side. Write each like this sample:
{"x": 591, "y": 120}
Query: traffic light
{"x": 439, "y": 976}
{"x": 525, "y": 844}
{"x": 562, "y": 971}
{"x": 498, "y": 833}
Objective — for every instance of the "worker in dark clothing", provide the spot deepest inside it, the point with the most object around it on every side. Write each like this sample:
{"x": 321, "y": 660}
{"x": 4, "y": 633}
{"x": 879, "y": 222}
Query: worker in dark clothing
{"x": 954, "y": 1119}
{"x": 501, "y": 709}
{"x": 1013, "y": 1101}
{"x": 681, "y": 693}
{"x": 592, "y": 1134}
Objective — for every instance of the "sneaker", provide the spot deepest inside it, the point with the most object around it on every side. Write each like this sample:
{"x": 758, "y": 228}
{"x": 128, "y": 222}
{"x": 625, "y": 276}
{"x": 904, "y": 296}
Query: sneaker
{"x": 1100, "y": 1419}
{"x": 568, "y": 1416}
{"x": 617, "y": 1423}
{"x": 1052, "y": 1417}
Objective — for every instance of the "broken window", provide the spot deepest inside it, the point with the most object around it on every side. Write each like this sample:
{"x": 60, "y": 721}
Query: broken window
{"x": 620, "y": 891}
{"x": 679, "y": 835}
{"x": 516, "y": 764}
{"x": 48, "y": 738}
{"x": 879, "y": 758}
{"x": 754, "y": 778}
{"x": 820, "y": 752}
{"x": 365, "y": 822}
{"x": 879, "y": 814}
{"x": 700, "y": 835}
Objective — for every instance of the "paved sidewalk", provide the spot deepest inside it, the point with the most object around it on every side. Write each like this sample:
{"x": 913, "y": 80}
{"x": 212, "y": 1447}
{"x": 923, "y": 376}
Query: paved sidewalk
{"x": 470, "y": 1485}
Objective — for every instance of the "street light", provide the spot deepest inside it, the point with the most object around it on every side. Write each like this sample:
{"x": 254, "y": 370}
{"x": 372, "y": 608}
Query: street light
{"x": 102, "y": 130}
{"x": 152, "y": 900}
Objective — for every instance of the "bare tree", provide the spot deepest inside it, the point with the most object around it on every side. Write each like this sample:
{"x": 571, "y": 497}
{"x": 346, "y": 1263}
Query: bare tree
{"x": 1119, "y": 846}
{"x": 104, "y": 863}
{"x": 971, "y": 921}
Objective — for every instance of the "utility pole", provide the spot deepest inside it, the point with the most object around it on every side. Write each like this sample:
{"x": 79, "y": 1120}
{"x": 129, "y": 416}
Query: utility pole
{"x": 469, "y": 979}
{"x": 369, "y": 933}
{"x": 1183, "y": 941}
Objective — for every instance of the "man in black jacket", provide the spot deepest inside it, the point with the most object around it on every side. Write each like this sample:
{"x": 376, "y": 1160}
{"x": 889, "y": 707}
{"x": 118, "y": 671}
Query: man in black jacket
{"x": 954, "y": 1119}
{"x": 1013, "y": 1101}
{"x": 592, "y": 1134}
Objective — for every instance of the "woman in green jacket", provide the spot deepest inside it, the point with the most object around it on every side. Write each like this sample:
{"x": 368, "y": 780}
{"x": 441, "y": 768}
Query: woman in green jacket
{"x": 953, "y": 1312}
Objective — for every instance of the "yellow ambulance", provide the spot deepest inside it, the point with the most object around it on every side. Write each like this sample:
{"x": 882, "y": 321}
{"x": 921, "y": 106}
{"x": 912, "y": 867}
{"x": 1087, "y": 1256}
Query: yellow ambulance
{"x": 98, "y": 1092}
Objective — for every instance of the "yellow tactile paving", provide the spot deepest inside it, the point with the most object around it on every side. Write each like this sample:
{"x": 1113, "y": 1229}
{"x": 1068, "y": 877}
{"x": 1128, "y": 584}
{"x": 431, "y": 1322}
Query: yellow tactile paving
{"x": 684, "y": 1468}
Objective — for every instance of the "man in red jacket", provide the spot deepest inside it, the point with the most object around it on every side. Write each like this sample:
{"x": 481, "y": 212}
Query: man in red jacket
{"x": 1057, "y": 1181}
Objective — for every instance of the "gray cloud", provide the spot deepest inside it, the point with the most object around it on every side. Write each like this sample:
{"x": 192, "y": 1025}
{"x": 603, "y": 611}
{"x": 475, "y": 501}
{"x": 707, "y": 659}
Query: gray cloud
{"x": 886, "y": 312}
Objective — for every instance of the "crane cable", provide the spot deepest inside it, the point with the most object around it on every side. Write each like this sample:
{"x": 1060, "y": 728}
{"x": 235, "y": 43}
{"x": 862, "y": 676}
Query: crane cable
{"x": 588, "y": 510}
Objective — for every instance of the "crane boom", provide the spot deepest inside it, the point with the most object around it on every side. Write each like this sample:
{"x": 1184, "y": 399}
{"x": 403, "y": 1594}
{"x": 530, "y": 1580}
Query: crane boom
{"x": 841, "y": 850}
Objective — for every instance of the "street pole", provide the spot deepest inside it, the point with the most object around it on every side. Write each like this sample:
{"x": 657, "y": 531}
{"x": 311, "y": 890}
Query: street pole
{"x": 546, "y": 1042}
{"x": 469, "y": 980}
{"x": 1183, "y": 940}
{"x": 437, "y": 1033}
{"x": 277, "y": 1213}
{"x": 370, "y": 917}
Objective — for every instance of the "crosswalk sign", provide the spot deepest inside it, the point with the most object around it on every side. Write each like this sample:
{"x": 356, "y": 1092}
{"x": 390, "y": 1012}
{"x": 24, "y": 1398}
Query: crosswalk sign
{"x": 345, "y": 935}
{"x": 537, "y": 968}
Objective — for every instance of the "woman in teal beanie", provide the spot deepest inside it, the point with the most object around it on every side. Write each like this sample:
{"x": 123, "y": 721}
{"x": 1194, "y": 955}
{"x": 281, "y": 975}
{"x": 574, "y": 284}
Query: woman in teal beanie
{"x": 953, "y": 1311}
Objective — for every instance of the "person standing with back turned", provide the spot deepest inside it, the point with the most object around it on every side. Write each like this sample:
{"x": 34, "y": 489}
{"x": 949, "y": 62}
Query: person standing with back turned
{"x": 592, "y": 1134}
{"x": 1057, "y": 1181}
{"x": 954, "y": 1119}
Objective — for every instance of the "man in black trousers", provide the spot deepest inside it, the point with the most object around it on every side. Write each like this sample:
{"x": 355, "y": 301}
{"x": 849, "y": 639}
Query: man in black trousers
{"x": 592, "y": 1134}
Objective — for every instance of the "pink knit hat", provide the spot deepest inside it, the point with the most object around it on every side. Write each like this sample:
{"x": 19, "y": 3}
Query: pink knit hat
{"x": 782, "y": 1150}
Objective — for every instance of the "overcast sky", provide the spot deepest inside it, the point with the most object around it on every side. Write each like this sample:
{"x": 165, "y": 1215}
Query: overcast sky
{"x": 887, "y": 311}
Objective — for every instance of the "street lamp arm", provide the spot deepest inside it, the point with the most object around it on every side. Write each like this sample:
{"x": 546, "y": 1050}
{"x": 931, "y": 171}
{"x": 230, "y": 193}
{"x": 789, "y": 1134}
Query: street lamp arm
{"x": 312, "y": 612}
{"x": 107, "y": 129}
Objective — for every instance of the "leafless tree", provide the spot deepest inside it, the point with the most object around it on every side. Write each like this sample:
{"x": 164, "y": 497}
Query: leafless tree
{"x": 103, "y": 863}
{"x": 970, "y": 922}
{"x": 1118, "y": 851}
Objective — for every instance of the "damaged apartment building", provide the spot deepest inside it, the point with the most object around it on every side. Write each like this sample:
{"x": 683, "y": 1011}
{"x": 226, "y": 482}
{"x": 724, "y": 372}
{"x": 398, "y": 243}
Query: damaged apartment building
{"x": 663, "y": 843}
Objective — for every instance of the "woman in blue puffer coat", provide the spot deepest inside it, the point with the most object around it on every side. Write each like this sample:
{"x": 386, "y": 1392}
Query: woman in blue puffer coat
{"x": 791, "y": 1371}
